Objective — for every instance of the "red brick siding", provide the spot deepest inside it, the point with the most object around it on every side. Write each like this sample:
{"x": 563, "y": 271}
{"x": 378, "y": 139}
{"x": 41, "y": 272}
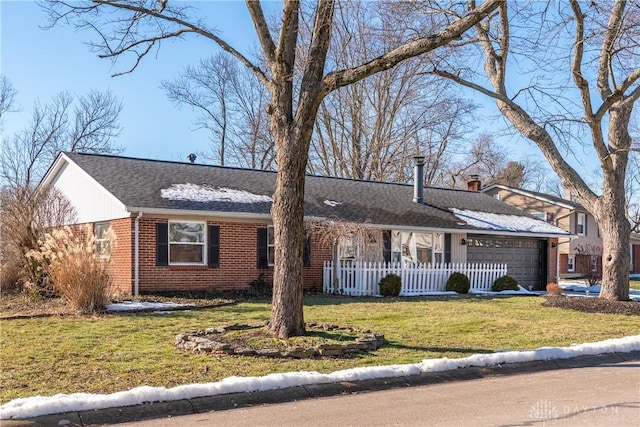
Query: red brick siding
{"x": 121, "y": 265}
{"x": 121, "y": 260}
{"x": 238, "y": 262}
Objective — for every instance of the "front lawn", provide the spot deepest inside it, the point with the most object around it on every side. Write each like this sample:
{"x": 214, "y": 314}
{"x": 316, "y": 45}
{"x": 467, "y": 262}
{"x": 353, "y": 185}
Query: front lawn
{"x": 108, "y": 353}
{"x": 634, "y": 284}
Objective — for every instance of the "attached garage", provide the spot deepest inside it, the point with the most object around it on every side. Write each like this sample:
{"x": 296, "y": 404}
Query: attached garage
{"x": 525, "y": 257}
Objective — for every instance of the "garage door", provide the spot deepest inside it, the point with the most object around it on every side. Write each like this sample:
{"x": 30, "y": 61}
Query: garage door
{"x": 524, "y": 257}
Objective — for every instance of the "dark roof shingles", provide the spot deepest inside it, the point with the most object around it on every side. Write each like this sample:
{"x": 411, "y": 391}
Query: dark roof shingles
{"x": 137, "y": 183}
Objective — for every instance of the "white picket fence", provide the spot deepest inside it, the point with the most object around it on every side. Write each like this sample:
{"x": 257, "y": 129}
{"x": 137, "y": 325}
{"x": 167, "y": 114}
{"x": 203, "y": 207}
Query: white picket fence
{"x": 362, "y": 278}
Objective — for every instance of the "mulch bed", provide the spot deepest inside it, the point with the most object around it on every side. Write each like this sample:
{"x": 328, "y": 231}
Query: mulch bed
{"x": 593, "y": 305}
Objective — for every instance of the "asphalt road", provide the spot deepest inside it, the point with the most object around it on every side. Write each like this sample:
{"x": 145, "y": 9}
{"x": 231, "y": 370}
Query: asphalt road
{"x": 606, "y": 395}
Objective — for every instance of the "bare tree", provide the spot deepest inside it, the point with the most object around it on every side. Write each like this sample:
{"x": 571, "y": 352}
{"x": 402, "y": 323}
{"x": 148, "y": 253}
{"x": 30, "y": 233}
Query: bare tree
{"x": 7, "y": 96}
{"x": 484, "y": 159}
{"x": 26, "y": 212}
{"x": 135, "y": 27}
{"x": 602, "y": 60}
{"x": 372, "y": 128}
{"x": 89, "y": 125}
{"x": 232, "y": 106}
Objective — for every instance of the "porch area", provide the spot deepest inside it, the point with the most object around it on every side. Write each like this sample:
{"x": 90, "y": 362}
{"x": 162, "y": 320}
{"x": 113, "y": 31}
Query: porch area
{"x": 362, "y": 278}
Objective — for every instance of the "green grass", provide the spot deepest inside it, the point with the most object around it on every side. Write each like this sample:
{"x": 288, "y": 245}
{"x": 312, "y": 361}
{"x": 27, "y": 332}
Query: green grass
{"x": 634, "y": 284}
{"x": 104, "y": 354}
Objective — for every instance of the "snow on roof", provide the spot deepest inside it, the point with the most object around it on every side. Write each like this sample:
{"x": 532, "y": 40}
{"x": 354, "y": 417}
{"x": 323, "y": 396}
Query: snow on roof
{"x": 44, "y": 405}
{"x": 204, "y": 193}
{"x": 499, "y": 222}
{"x": 332, "y": 203}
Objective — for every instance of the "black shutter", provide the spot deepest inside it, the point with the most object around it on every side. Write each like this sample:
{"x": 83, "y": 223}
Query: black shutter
{"x": 386, "y": 245}
{"x": 263, "y": 261}
{"x": 306, "y": 254}
{"x": 447, "y": 248}
{"x": 213, "y": 247}
{"x": 162, "y": 244}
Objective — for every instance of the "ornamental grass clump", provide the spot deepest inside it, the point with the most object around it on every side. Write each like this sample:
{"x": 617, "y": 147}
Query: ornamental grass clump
{"x": 75, "y": 269}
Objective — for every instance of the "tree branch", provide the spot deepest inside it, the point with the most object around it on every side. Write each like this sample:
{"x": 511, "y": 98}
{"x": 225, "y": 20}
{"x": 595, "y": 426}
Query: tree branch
{"x": 262, "y": 30}
{"x": 342, "y": 78}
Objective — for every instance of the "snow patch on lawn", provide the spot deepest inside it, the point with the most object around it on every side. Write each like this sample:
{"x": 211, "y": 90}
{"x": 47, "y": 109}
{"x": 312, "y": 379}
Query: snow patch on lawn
{"x": 332, "y": 203}
{"x": 520, "y": 291}
{"x": 573, "y": 288}
{"x": 45, "y": 405}
{"x": 515, "y": 223}
{"x": 205, "y": 193}
{"x": 145, "y": 306}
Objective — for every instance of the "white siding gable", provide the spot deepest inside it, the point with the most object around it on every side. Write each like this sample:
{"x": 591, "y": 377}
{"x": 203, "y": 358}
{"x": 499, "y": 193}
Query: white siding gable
{"x": 92, "y": 201}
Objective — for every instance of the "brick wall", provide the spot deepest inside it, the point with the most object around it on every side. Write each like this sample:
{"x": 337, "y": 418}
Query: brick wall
{"x": 121, "y": 259}
{"x": 121, "y": 265}
{"x": 238, "y": 262}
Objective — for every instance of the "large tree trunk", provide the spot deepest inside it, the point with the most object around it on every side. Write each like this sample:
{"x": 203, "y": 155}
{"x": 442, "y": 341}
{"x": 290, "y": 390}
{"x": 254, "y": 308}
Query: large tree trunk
{"x": 610, "y": 208}
{"x": 287, "y": 317}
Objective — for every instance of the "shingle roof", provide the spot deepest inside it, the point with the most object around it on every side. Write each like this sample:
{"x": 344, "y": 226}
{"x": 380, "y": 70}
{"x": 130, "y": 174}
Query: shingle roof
{"x": 137, "y": 183}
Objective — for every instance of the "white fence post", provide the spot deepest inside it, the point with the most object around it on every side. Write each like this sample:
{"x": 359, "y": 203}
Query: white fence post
{"x": 362, "y": 278}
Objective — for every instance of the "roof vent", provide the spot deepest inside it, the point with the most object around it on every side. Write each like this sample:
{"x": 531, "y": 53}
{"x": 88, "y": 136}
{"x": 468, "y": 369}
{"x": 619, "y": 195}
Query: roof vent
{"x": 418, "y": 179}
{"x": 192, "y": 158}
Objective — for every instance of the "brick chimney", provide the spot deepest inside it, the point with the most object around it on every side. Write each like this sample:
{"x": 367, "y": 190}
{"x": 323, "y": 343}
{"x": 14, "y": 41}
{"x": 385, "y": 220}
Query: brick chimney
{"x": 418, "y": 179}
{"x": 474, "y": 183}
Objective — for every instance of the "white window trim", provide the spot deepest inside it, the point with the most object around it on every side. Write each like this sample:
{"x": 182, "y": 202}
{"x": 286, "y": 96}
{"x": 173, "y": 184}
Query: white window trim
{"x": 271, "y": 230}
{"x": 542, "y": 216}
{"x": 571, "y": 263}
{"x": 95, "y": 228}
{"x": 581, "y": 221}
{"x": 203, "y": 243}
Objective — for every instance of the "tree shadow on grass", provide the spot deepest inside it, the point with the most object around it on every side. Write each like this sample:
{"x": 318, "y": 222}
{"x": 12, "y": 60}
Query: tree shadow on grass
{"x": 396, "y": 345}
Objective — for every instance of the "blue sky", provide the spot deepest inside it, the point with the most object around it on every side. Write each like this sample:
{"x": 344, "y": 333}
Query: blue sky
{"x": 41, "y": 63}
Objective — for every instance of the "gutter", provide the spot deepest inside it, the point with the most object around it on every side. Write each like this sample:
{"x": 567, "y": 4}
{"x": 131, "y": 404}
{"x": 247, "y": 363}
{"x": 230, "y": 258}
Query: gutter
{"x": 136, "y": 255}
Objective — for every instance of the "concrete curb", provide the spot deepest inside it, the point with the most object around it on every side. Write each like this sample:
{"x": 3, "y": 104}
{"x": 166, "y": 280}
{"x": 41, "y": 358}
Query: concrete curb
{"x": 242, "y": 400}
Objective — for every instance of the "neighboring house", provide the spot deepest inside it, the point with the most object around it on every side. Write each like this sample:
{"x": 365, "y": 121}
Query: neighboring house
{"x": 635, "y": 253}
{"x": 183, "y": 226}
{"x": 578, "y": 256}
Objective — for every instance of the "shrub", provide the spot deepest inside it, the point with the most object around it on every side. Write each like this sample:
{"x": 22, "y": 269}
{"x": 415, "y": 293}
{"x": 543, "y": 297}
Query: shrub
{"x": 505, "y": 283}
{"x": 390, "y": 285}
{"x": 75, "y": 269}
{"x": 459, "y": 283}
{"x": 260, "y": 287}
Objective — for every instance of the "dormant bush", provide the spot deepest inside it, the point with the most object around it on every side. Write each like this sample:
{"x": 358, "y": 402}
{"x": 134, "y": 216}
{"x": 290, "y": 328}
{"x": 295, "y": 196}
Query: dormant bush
{"x": 26, "y": 212}
{"x": 75, "y": 268}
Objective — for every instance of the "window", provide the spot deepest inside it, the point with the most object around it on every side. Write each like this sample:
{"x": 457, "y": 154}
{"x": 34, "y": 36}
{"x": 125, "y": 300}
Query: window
{"x": 571, "y": 263}
{"x": 542, "y": 216}
{"x": 594, "y": 263}
{"x": 186, "y": 242}
{"x": 271, "y": 247}
{"x": 266, "y": 248}
{"x": 423, "y": 248}
{"x": 581, "y": 224}
{"x": 103, "y": 239}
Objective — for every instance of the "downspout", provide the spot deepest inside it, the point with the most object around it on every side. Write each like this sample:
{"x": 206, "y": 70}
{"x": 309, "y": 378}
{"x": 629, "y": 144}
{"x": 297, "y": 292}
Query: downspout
{"x": 136, "y": 254}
